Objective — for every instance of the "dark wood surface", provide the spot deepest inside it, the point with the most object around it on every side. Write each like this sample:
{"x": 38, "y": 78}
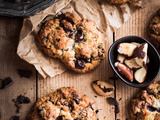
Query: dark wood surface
{"x": 35, "y": 87}
{"x": 9, "y": 64}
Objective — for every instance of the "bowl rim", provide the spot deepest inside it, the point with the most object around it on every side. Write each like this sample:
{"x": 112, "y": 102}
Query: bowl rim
{"x": 114, "y": 69}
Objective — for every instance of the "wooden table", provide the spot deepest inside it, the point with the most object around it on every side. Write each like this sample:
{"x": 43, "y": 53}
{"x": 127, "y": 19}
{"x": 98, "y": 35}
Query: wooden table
{"x": 35, "y": 87}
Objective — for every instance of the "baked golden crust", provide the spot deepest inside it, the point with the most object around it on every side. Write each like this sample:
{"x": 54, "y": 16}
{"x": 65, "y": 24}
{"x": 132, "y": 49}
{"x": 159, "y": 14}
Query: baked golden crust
{"x": 121, "y": 1}
{"x": 77, "y": 42}
{"x": 154, "y": 31}
{"x": 64, "y": 104}
{"x": 146, "y": 105}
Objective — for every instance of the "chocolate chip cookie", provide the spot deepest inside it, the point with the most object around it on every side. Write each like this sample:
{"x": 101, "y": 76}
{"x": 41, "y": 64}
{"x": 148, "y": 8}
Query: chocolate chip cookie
{"x": 64, "y": 104}
{"x": 77, "y": 42}
{"x": 154, "y": 31}
{"x": 121, "y": 1}
{"x": 146, "y": 105}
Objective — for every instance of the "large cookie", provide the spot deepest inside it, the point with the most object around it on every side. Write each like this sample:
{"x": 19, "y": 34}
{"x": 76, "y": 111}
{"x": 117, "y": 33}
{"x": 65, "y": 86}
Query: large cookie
{"x": 77, "y": 42}
{"x": 146, "y": 105}
{"x": 121, "y": 1}
{"x": 64, "y": 104}
{"x": 154, "y": 31}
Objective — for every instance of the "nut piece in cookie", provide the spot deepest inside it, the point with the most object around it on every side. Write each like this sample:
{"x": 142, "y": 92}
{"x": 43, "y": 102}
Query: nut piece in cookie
{"x": 65, "y": 103}
{"x": 102, "y": 88}
{"x": 146, "y": 105}
{"x": 77, "y": 42}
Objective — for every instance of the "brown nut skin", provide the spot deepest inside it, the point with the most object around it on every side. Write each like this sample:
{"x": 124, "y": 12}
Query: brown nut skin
{"x": 124, "y": 70}
{"x": 140, "y": 54}
{"x": 102, "y": 88}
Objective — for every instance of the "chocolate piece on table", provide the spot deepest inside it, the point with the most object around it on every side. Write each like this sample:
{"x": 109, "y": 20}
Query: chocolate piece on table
{"x": 6, "y": 82}
{"x": 24, "y": 73}
{"x": 14, "y": 118}
{"x": 22, "y": 99}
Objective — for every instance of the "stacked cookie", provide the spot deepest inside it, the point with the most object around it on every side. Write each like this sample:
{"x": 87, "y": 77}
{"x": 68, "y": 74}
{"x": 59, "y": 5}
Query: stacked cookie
{"x": 77, "y": 42}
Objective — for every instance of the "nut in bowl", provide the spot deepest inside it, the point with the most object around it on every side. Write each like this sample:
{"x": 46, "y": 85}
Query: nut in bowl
{"x": 141, "y": 70}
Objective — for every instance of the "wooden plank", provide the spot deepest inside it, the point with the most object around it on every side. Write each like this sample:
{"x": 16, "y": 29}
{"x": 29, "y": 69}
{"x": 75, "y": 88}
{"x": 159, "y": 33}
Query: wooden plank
{"x": 137, "y": 25}
{"x": 82, "y": 82}
{"x": 9, "y": 63}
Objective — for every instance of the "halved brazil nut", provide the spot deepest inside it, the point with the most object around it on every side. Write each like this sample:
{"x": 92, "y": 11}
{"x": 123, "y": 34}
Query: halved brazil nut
{"x": 102, "y": 88}
{"x": 126, "y": 49}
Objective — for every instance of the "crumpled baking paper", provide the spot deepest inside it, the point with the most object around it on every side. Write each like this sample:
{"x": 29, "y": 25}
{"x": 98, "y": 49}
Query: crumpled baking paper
{"x": 108, "y": 17}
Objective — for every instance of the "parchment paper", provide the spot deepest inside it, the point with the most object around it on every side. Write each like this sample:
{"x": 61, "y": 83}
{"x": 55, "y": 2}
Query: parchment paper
{"x": 107, "y": 17}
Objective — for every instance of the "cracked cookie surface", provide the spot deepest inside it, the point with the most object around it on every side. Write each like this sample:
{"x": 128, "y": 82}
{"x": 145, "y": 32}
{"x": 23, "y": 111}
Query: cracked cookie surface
{"x": 154, "y": 31}
{"x": 146, "y": 105}
{"x": 121, "y": 1}
{"x": 65, "y": 103}
{"x": 77, "y": 42}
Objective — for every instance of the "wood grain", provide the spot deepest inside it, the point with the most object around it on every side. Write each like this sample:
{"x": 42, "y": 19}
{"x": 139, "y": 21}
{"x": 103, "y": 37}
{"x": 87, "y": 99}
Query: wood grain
{"x": 9, "y": 63}
{"x": 137, "y": 25}
{"x": 36, "y": 86}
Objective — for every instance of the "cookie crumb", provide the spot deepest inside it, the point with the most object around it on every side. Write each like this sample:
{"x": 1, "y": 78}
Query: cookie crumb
{"x": 120, "y": 99}
{"x": 100, "y": 3}
{"x": 97, "y": 111}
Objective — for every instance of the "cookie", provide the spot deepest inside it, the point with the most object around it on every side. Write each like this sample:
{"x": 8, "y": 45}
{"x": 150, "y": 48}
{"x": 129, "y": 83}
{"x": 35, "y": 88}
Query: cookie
{"x": 77, "y": 42}
{"x": 146, "y": 105}
{"x": 154, "y": 31}
{"x": 121, "y": 1}
{"x": 65, "y": 103}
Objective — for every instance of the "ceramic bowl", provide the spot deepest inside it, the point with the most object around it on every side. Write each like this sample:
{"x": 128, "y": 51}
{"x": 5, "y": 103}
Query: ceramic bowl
{"x": 153, "y": 66}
